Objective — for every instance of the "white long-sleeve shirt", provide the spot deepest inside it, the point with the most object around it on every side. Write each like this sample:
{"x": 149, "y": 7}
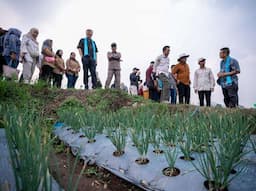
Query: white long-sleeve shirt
{"x": 203, "y": 79}
{"x": 162, "y": 65}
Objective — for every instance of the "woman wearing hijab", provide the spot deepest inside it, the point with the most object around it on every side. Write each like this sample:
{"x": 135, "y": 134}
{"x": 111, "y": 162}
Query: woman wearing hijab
{"x": 59, "y": 69}
{"x": 72, "y": 70}
{"x": 48, "y": 62}
{"x": 29, "y": 54}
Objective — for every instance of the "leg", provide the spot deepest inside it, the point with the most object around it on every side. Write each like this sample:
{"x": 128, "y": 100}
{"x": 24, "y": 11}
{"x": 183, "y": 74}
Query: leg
{"x": 181, "y": 92}
{"x": 92, "y": 68}
{"x": 74, "y": 81}
{"x": 187, "y": 94}
{"x": 165, "y": 95}
{"x": 85, "y": 61}
{"x": 232, "y": 93}
{"x": 117, "y": 79}
{"x": 69, "y": 77}
{"x": 27, "y": 71}
{"x": 208, "y": 98}
{"x": 201, "y": 97}
{"x": 109, "y": 78}
{"x": 226, "y": 97}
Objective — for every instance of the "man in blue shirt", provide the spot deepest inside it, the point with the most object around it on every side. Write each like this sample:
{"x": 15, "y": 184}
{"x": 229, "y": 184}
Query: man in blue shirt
{"x": 228, "y": 80}
{"x": 88, "y": 52}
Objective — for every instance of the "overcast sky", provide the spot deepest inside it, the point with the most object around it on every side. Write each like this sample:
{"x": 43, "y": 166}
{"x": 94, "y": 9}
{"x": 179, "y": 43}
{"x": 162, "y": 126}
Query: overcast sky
{"x": 142, "y": 27}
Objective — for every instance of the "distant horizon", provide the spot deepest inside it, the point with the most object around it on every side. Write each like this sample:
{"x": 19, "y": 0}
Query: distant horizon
{"x": 141, "y": 28}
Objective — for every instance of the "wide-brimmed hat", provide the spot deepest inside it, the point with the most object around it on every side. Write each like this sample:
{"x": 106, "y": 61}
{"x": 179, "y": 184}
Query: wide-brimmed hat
{"x": 201, "y": 59}
{"x": 184, "y": 55}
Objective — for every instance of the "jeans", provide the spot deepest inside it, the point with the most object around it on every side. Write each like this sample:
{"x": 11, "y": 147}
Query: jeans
{"x": 207, "y": 95}
{"x": 57, "y": 78}
{"x": 231, "y": 95}
{"x": 165, "y": 93}
{"x": 184, "y": 93}
{"x": 173, "y": 95}
{"x": 89, "y": 65}
{"x": 71, "y": 80}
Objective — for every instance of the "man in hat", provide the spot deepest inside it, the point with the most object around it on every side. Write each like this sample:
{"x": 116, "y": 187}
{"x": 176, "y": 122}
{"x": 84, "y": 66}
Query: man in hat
{"x": 161, "y": 69}
{"x": 181, "y": 70}
{"x": 228, "y": 80}
{"x": 204, "y": 83}
{"x": 114, "y": 59}
{"x": 88, "y": 52}
{"x": 134, "y": 81}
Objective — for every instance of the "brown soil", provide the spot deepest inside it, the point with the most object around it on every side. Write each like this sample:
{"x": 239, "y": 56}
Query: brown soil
{"x": 186, "y": 159}
{"x": 142, "y": 161}
{"x": 171, "y": 171}
{"x": 207, "y": 186}
{"x": 93, "y": 179}
{"x": 158, "y": 151}
{"x": 118, "y": 153}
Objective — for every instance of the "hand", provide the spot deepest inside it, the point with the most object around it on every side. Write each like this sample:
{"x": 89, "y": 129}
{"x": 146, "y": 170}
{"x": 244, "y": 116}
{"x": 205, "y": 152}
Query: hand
{"x": 178, "y": 81}
{"x": 212, "y": 89}
{"x": 221, "y": 74}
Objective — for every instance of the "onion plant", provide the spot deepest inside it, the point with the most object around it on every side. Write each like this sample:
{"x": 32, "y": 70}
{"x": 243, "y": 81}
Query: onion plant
{"x": 88, "y": 121}
{"x": 225, "y": 155}
{"x": 169, "y": 133}
{"x": 118, "y": 138}
{"x": 171, "y": 155}
{"x": 140, "y": 138}
{"x": 186, "y": 146}
{"x": 29, "y": 146}
{"x": 155, "y": 140}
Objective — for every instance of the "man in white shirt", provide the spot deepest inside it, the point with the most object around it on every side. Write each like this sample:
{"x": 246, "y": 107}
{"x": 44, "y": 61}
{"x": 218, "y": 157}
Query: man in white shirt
{"x": 161, "y": 69}
{"x": 204, "y": 83}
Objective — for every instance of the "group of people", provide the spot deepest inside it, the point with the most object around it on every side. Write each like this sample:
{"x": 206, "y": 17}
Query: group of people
{"x": 26, "y": 51}
{"x": 164, "y": 84}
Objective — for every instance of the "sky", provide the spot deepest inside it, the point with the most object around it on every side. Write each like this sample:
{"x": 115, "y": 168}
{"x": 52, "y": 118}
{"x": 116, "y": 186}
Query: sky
{"x": 142, "y": 27}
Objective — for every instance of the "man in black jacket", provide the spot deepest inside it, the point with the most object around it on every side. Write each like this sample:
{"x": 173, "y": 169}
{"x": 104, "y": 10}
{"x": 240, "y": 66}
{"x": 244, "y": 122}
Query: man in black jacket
{"x": 134, "y": 79}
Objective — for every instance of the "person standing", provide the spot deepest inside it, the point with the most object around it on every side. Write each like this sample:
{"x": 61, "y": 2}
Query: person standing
{"x": 11, "y": 44}
{"x": 153, "y": 94}
{"x": 134, "y": 81}
{"x": 59, "y": 69}
{"x": 48, "y": 62}
{"x": 88, "y": 52}
{"x": 161, "y": 69}
{"x": 72, "y": 70}
{"x": 204, "y": 83}
{"x": 183, "y": 80}
{"x": 114, "y": 59}
{"x": 173, "y": 87}
{"x": 29, "y": 54}
{"x": 2, "y": 60}
{"x": 227, "y": 78}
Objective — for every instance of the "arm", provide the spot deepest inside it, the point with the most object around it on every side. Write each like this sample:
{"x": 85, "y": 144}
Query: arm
{"x": 212, "y": 80}
{"x": 195, "y": 86}
{"x": 48, "y": 52}
{"x": 80, "y": 47}
{"x": 157, "y": 62}
{"x": 235, "y": 69}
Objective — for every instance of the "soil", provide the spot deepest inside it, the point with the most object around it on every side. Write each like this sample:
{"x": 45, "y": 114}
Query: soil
{"x": 190, "y": 158}
{"x": 94, "y": 178}
{"x": 171, "y": 171}
{"x": 142, "y": 161}
{"x": 206, "y": 184}
{"x": 158, "y": 151}
{"x": 118, "y": 153}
